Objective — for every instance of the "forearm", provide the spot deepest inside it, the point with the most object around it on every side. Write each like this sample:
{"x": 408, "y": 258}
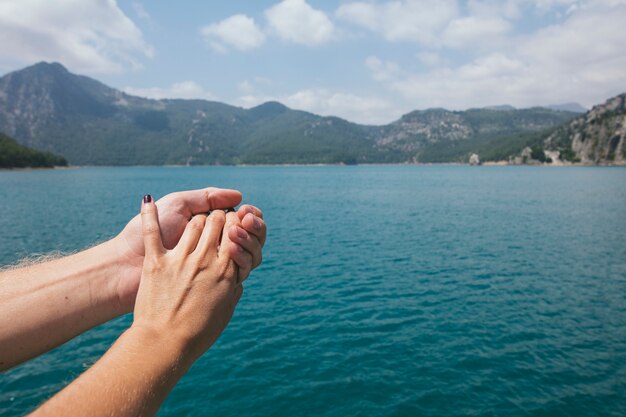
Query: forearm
{"x": 44, "y": 305}
{"x": 131, "y": 379}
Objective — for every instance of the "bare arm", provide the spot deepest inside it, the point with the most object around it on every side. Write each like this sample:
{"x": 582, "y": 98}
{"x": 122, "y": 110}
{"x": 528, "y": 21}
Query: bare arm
{"x": 45, "y": 305}
{"x": 186, "y": 298}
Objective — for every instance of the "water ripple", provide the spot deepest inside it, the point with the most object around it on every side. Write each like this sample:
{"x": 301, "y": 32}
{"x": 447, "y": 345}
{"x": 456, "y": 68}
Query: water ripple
{"x": 388, "y": 291}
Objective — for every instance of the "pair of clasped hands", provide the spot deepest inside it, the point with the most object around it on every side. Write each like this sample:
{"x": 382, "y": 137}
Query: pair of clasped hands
{"x": 194, "y": 267}
{"x": 178, "y": 266}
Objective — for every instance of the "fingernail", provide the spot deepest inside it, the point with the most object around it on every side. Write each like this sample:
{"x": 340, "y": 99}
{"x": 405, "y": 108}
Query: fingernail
{"x": 257, "y": 224}
{"x": 242, "y": 234}
{"x": 147, "y": 198}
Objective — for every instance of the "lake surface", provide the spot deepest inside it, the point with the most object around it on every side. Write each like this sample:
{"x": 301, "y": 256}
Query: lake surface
{"x": 385, "y": 290}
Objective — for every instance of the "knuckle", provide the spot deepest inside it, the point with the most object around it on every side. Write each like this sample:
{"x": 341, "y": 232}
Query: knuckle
{"x": 225, "y": 271}
{"x": 173, "y": 196}
{"x": 150, "y": 228}
{"x": 148, "y": 210}
{"x": 196, "y": 223}
{"x": 153, "y": 264}
{"x": 237, "y": 257}
{"x": 249, "y": 208}
{"x": 210, "y": 196}
{"x": 217, "y": 218}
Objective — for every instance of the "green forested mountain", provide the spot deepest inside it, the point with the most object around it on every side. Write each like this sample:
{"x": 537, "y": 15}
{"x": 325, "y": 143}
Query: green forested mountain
{"x": 14, "y": 155}
{"x": 46, "y": 107}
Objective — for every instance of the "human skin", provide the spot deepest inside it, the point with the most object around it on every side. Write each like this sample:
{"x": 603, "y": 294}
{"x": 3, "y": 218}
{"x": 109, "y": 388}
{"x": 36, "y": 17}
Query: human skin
{"x": 60, "y": 299}
{"x": 186, "y": 297}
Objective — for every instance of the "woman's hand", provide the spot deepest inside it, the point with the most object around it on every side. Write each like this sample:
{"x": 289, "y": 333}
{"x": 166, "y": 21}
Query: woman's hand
{"x": 175, "y": 212}
{"x": 188, "y": 294}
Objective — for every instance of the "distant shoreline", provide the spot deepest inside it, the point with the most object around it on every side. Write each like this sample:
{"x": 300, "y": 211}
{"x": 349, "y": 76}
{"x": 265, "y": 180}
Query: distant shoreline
{"x": 487, "y": 164}
{"x": 40, "y": 168}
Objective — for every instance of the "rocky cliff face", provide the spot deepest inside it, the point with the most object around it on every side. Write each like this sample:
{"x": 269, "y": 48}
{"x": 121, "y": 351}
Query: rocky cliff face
{"x": 597, "y": 137}
{"x": 423, "y": 128}
{"x": 427, "y": 126}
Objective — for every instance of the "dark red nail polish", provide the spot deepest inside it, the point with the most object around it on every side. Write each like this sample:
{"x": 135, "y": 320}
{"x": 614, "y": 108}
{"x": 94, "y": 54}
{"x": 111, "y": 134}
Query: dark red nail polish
{"x": 147, "y": 198}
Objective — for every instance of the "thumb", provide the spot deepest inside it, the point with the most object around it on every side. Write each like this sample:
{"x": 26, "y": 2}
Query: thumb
{"x": 150, "y": 227}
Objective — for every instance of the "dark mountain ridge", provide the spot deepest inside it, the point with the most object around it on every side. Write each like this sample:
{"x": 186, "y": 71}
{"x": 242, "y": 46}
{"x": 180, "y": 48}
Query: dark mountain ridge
{"x": 47, "y": 107}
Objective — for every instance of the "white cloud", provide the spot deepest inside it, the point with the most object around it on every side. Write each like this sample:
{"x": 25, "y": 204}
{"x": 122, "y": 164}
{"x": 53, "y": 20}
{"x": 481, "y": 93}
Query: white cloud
{"x": 508, "y": 9}
{"x": 296, "y": 21}
{"x": 362, "y": 109}
{"x": 580, "y": 59}
{"x": 475, "y": 31}
{"x": 238, "y": 31}
{"x": 418, "y": 21}
{"x": 90, "y": 36}
{"x": 493, "y": 79}
{"x": 183, "y": 89}
{"x": 545, "y": 5}
{"x": 253, "y": 86}
{"x": 383, "y": 70}
{"x": 141, "y": 12}
{"x": 245, "y": 87}
{"x": 429, "y": 58}
{"x": 352, "y": 107}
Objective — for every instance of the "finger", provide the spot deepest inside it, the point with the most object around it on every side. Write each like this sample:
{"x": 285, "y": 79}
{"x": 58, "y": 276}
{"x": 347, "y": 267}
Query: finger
{"x": 192, "y": 233}
{"x": 247, "y": 241}
{"x": 226, "y": 245}
{"x": 243, "y": 259}
{"x": 211, "y": 237}
{"x": 247, "y": 208}
{"x": 206, "y": 199}
{"x": 150, "y": 227}
{"x": 255, "y": 226}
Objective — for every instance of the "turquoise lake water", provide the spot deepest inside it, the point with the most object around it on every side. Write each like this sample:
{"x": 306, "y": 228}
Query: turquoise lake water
{"x": 385, "y": 290}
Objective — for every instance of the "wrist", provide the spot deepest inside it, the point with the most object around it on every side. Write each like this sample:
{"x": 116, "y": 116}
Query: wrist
{"x": 125, "y": 281}
{"x": 168, "y": 348}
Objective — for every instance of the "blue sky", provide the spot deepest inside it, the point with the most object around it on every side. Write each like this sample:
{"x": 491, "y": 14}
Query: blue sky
{"x": 367, "y": 61}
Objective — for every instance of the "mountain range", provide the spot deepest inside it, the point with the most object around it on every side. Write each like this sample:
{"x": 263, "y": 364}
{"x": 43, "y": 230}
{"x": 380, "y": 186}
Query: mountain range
{"x": 46, "y": 107}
